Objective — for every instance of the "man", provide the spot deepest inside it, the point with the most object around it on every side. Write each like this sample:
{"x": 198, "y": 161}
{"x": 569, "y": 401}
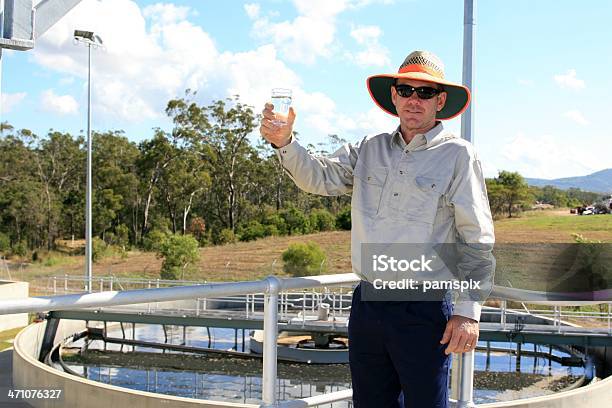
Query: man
{"x": 419, "y": 184}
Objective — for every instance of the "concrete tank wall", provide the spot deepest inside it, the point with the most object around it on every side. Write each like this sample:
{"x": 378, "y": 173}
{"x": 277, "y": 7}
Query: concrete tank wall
{"x": 13, "y": 290}
{"x": 78, "y": 392}
{"x": 594, "y": 395}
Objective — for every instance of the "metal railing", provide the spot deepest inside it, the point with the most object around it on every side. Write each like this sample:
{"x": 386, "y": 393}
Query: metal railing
{"x": 305, "y": 304}
{"x": 276, "y": 302}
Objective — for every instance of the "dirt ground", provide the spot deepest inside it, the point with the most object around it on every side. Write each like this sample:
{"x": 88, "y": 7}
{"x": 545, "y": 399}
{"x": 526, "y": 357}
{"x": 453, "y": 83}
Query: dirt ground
{"x": 257, "y": 259}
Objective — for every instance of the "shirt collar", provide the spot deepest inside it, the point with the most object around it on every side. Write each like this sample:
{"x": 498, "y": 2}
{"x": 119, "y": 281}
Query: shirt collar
{"x": 430, "y": 135}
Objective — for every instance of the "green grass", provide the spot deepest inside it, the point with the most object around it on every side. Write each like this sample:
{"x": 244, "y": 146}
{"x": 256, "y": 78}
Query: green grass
{"x": 559, "y": 222}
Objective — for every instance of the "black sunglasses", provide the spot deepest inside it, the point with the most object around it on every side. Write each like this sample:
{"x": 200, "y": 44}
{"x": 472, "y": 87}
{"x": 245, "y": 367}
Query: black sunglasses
{"x": 423, "y": 92}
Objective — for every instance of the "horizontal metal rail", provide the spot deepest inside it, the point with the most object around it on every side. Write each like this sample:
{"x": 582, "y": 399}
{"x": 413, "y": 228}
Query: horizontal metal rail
{"x": 272, "y": 288}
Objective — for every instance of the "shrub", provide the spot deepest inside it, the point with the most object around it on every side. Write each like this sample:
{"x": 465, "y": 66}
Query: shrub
{"x": 226, "y": 236}
{"x": 343, "y": 219}
{"x": 153, "y": 240}
{"x": 197, "y": 227}
{"x": 179, "y": 252}
{"x": 302, "y": 259}
{"x": 271, "y": 230}
{"x": 275, "y": 220}
{"x": 296, "y": 221}
{"x": 98, "y": 247}
{"x": 5, "y": 242}
{"x": 122, "y": 236}
{"x": 322, "y": 220}
{"x": 20, "y": 249}
{"x": 252, "y": 231}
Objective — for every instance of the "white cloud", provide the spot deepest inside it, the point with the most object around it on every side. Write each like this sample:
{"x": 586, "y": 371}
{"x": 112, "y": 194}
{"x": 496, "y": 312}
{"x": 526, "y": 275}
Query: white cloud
{"x": 153, "y": 55}
{"x": 309, "y": 36}
{"x": 547, "y": 156}
{"x": 60, "y": 104}
{"x": 569, "y": 80}
{"x": 577, "y": 117}
{"x": 252, "y": 10}
{"x": 373, "y": 54}
{"x": 525, "y": 82}
{"x": 166, "y": 13}
{"x": 150, "y": 56}
{"x": 10, "y": 100}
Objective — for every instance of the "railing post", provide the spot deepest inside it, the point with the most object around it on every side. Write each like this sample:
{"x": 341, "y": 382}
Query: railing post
{"x": 246, "y": 304}
{"x": 466, "y": 380}
{"x": 269, "y": 342}
{"x": 610, "y": 319}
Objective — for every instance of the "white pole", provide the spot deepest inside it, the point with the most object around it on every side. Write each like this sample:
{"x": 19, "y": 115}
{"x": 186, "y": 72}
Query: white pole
{"x": 88, "y": 243}
{"x": 469, "y": 21}
{"x": 270, "y": 339}
{"x": 466, "y": 380}
{"x": 1, "y": 35}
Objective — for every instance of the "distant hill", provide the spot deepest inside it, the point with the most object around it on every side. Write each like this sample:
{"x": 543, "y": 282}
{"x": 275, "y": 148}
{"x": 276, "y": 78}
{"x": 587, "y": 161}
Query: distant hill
{"x": 598, "y": 182}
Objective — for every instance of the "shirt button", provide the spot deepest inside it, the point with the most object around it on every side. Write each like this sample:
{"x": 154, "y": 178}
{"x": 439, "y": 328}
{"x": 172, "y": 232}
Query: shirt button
{"x": 395, "y": 194}
{"x": 401, "y": 172}
{"x": 284, "y": 151}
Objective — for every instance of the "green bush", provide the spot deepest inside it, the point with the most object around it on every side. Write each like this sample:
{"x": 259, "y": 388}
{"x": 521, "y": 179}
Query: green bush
{"x": 179, "y": 252}
{"x": 322, "y": 220}
{"x": 302, "y": 259}
{"x": 122, "y": 236}
{"x": 99, "y": 249}
{"x": 252, "y": 231}
{"x": 5, "y": 242}
{"x": 20, "y": 249}
{"x": 271, "y": 230}
{"x": 275, "y": 220}
{"x": 343, "y": 219}
{"x": 296, "y": 221}
{"x": 226, "y": 236}
{"x": 153, "y": 240}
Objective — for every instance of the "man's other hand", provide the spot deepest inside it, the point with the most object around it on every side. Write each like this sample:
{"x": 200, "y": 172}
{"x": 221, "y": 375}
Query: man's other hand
{"x": 461, "y": 334}
{"x": 278, "y": 135}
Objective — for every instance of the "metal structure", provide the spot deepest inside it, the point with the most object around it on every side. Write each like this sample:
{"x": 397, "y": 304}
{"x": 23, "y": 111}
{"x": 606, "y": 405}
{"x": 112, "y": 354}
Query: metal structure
{"x": 272, "y": 288}
{"x": 469, "y": 21}
{"x": 90, "y": 40}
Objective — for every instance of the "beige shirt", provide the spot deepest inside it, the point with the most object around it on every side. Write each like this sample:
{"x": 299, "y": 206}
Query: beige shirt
{"x": 431, "y": 190}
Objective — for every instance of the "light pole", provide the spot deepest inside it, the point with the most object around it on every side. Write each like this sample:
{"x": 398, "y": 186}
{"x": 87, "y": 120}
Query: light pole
{"x": 91, "y": 40}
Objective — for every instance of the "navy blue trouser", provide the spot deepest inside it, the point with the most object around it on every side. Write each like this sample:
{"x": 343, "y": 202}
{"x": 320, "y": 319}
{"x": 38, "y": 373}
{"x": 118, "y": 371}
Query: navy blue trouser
{"x": 394, "y": 348}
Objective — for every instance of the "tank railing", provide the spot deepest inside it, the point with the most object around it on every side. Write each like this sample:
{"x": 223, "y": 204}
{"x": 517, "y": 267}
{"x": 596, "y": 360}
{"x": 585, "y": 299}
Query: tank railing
{"x": 272, "y": 288}
{"x": 559, "y": 315}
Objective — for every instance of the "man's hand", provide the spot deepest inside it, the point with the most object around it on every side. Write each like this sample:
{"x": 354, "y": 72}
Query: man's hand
{"x": 279, "y": 136}
{"x": 461, "y": 334}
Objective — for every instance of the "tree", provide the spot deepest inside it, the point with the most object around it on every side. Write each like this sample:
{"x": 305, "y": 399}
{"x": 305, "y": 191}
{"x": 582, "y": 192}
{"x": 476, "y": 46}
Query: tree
{"x": 183, "y": 181}
{"x": 155, "y": 155}
{"x": 218, "y": 132}
{"x": 115, "y": 182}
{"x": 179, "y": 252}
{"x": 60, "y": 164}
{"x": 303, "y": 259}
{"x": 514, "y": 190}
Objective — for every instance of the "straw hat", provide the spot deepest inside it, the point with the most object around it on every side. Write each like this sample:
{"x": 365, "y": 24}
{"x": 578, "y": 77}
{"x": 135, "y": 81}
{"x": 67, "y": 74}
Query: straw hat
{"x": 421, "y": 66}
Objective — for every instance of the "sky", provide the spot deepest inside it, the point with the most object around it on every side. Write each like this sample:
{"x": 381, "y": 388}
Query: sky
{"x": 540, "y": 96}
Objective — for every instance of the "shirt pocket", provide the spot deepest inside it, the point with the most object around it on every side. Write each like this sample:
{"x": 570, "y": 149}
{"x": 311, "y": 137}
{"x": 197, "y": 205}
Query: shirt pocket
{"x": 416, "y": 199}
{"x": 368, "y": 188}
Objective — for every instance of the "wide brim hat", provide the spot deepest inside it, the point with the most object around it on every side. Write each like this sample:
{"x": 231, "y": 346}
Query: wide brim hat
{"x": 420, "y": 66}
